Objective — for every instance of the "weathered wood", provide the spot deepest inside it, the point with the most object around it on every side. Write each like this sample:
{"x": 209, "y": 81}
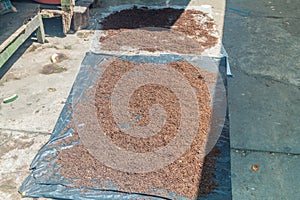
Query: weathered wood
{"x": 81, "y": 18}
{"x": 81, "y": 15}
{"x": 73, "y": 16}
{"x": 66, "y": 17}
{"x": 40, "y": 32}
{"x": 51, "y": 13}
{"x": 67, "y": 7}
{"x": 10, "y": 45}
{"x": 12, "y": 38}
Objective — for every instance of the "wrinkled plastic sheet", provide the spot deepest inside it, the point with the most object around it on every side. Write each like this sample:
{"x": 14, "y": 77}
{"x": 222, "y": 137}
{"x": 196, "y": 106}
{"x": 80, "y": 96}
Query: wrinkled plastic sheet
{"x": 55, "y": 186}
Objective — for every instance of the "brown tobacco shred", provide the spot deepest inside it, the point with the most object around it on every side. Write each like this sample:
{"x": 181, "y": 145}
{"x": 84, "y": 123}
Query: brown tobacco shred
{"x": 177, "y": 30}
{"x": 189, "y": 176}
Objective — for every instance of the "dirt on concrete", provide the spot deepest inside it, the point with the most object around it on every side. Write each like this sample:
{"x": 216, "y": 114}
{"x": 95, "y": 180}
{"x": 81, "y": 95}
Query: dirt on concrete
{"x": 52, "y": 68}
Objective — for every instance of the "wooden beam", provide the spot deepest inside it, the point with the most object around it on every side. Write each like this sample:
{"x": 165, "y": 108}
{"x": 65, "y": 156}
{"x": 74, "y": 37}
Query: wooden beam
{"x": 51, "y": 13}
{"x": 81, "y": 18}
{"x": 68, "y": 7}
{"x": 12, "y": 38}
{"x": 81, "y": 14}
{"x": 40, "y": 32}
{"x": 10, "y": 45}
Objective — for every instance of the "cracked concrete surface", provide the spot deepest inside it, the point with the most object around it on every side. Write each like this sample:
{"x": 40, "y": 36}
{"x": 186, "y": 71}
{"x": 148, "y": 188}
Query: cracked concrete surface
{"x": 17, "y": 149}
{"x": 263, "y": 42}
{"x": 267, "y": 38}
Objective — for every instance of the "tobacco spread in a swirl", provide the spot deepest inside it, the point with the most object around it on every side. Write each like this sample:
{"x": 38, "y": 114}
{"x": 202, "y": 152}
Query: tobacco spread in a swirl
{"x": 188, "y": 176}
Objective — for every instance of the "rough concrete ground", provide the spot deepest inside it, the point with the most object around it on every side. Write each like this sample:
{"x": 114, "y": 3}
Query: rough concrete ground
{"x": 264, "y": 101}
{"x": 263, "y": 42}
{"x": 26, "y": 124}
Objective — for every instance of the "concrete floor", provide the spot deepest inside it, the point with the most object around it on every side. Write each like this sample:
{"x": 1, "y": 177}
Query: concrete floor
{"x": 27, "y": 123}
{"x": 262, "y": 39}
{"x": 263, "y": 43}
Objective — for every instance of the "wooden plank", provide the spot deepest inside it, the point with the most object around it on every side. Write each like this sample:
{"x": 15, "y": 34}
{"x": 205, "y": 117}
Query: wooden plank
{"x": 12, "y": 38}
{"x": 68, "y": 7}
{"x": 9, "y": 46}
{"x": 51, "y": 13}
{"x": 81, "y": 18}
{"x": 81, "y": 15}
{"x": 40, "y": 32}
